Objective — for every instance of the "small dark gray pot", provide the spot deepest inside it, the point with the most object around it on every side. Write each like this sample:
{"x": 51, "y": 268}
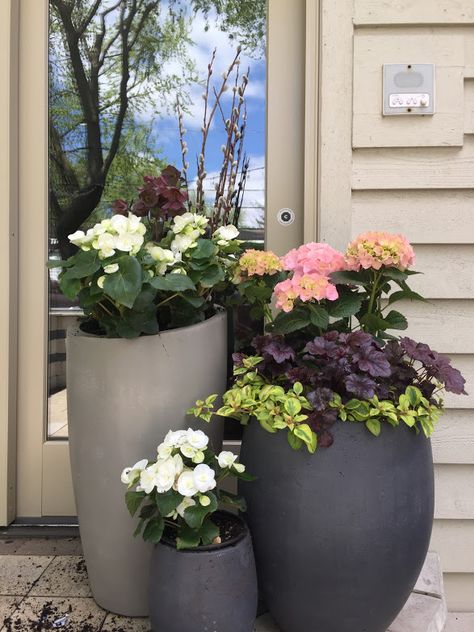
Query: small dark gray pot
{"x": 211, "y": 589}
{"x": 123, "y": 396}
{"x": 340, "y": 536}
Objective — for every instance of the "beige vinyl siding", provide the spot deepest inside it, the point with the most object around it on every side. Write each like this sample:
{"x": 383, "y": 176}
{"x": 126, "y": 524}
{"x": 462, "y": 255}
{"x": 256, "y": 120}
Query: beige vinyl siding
{"x": 413, "y": 175}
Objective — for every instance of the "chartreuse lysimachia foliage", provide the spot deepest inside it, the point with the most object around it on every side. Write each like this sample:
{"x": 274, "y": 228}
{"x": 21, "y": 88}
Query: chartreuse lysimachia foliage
{"x": 278, "y": 409}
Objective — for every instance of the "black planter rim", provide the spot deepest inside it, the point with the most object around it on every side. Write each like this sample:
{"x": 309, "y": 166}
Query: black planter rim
{"x": 168, "y": 542}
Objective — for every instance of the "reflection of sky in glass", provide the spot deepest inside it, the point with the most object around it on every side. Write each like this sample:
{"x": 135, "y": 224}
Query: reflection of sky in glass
{"x": 166, "y": 127}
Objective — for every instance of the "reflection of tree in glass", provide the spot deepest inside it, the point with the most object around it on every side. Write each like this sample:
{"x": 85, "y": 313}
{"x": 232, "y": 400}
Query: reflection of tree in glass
{"x": 106, "y": 67}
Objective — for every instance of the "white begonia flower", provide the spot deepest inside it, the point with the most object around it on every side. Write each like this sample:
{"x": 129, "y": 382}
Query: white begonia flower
{"x": 119, "y": 223}
{"x": 204, "y": 477}
{"x": 129, "y": 242}
{"x": 205, "y": 501}
{"x": 224, "y": 234}
{"x": 239, "y": 467}
{"x": 197, "y": 439}
{"x": 226, "y": 459}
{"x": 164, "y": 450}
{"x": 77, "y": 238}
{"x": 100, "y": 281}
{"x": 106, "y": 224}
{"x": 105, "y": 244}
{"x": 178, "y": 464}
{"x": 181, "y": 243}
{"x": 187, "y": 484}
{"x": 184, "y": 504}
{"x": 198, "y": 457}
{"x": 187, "y": 450}
{"x": 130, "y": 473}
{"x": 176, "y": 437}
{"x": 148, "y": 479}
{"x": 111, "y": 268}
{"x": 181, "y": 221}
{"x": 165, "y": 475}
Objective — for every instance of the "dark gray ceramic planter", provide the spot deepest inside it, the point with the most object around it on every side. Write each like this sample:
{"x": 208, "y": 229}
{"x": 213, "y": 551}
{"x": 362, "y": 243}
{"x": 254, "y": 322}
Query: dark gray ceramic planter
{"x": 339, "y": 536}
{"x": 123, "y": 396}
{"x": 214, "y": 589}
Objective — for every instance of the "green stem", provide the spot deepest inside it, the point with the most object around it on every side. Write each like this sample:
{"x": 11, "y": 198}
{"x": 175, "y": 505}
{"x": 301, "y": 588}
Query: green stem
{"x": 170, "y": 298}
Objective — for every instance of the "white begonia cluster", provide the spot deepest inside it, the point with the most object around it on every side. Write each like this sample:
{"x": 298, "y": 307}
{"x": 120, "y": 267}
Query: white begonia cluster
{"x": 125, "y": 234}
{"x": 164, "y": 258}
{"x": 225, "y": 234}
{"x": 187, "y": 229}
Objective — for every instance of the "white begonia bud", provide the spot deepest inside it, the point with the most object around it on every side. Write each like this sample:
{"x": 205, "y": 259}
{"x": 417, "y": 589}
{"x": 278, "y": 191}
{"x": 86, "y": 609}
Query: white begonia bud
{"x": 239, "y": 467}
{"x": 204, "y": 477}
{"x": 130, "y": 473}
{"x": 226, "y": 459}
{"x": 186, "y": 484}
{"x": 197, "y": 439}
{"x": 198, "y": 457}
{"x": 111, "y": 268}
{"x": 205, "y": 501}
{"x": 100, "y": 281}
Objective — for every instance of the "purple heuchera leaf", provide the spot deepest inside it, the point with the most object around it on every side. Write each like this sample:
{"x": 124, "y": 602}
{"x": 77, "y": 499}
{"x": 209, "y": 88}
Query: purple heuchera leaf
{"x": 360, "y": 385}
{"x": 320, "y": 398}
{"x": 273, "y": 346}
{"x": 372, "y": 361}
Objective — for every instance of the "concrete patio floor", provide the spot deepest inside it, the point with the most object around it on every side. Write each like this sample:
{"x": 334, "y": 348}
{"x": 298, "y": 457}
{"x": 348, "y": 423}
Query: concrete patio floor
{"x": 43, "y": 584}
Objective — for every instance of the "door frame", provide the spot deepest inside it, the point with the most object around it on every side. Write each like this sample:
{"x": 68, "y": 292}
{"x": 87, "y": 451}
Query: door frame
{"x": 39, "y": 483}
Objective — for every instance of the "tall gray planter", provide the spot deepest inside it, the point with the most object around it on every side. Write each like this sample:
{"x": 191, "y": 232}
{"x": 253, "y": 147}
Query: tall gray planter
{"x": 123, "y": 396}
{"x": 339, "y": 536}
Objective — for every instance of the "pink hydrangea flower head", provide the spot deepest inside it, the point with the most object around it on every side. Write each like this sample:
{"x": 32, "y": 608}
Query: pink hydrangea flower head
{"x": 306, "y": 287}
{"x": 377, "y": 249}
{"x": 259, "y": 262}
{"x": 314, "y": 258}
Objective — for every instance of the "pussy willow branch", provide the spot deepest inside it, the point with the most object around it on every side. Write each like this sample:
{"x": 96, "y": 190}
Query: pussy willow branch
{"x": 207, "y": 121}
{"x": 184, "y": 150}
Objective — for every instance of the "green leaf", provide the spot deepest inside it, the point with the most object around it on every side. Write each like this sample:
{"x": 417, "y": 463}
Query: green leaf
{"x": 292, "y": 406}
{"x": 58, "y": 263}
{"x": 408, "y": 295}
{"x": 374, "y": 426}
{"x": 83, "y": 264}
{"x": 139, "y": 528}
{"x": 147, "y": 511}
{"x": 208, "y": 532}
{"x": 295, "y": 442}
{"x": 374, "y": 322}
{"x": 187, "y": 538}
{"x": 212, "y": 276}
{"x": 394, "y": 274}
{"x": 194, "y": 516}
{"x": 168, "y": 502}
{"x": 172, "y": 283}
{"x": 69, "y": 287}
{"x": 413, "y": 394}
{"x": 124, "y": 285}
{"x": 286, "y": 323}
{"x": 205, "y": 249}
{"x": 232, "y": 499}
{"x": 304, "y": 432}
{"x": 133, "y": 501}
{"x": 346, "y": 305}
{"x": 396, "y": 320}
{"x": 351, "y": 277}
{"x": 154, "y": 530}
{"x": 319, "y": 316}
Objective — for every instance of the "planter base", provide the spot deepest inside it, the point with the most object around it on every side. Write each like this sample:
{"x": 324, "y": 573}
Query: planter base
{"x": 425, "y": 610}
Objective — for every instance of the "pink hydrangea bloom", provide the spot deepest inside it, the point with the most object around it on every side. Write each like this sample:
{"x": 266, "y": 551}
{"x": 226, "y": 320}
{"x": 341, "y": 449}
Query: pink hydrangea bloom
{"x": 377, "y": 249}
{"x": 259, "y": 262}
{"x": 306, "y": 287}
{"x": 314, "y": 258}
